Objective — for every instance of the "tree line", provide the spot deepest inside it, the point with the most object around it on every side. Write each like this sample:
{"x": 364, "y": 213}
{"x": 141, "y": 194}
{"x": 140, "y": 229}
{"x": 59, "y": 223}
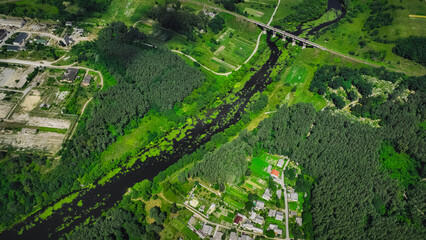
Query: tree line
{"x": 54, "y": 9}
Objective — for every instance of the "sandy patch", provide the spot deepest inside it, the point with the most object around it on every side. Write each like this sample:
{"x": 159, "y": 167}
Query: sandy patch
{"x": 5, "y": 74}
{"x": 62, "y": 95}
{"x": 41, "y": 121}
{"x": 43, "y": 141}
{"x": 220, "y": 49}
{"x": 31, "y": 101}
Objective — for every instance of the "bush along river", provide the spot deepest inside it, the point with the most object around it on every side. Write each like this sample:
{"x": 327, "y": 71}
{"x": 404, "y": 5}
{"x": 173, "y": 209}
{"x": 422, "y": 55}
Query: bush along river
{"x": 103, "y": 197}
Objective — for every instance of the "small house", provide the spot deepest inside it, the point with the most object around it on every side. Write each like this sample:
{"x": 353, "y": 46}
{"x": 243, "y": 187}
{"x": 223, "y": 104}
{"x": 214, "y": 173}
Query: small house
{"x": 238, "y": 219}
{"x": 269, "y": 169}
{"x": 278, "y": 231}
{"x": 207, "y": 229}
{"x": 272, "y": 213}
{"x": 272, "y": 227}
{"x": 279, "y": 192}
{"x": 233, "y": 236}
{"x": 192, "y": 221}
{"x": 68, "y": 24}
{"x": 280, "y": 163}
{"x": 299, "y": 221}
{"x": 20, "y": 39}
{"x": 259, "y": 205}
{"x": 218, "y": 235}
{"x": 279, "y": 216}
{"x": 245, "y": 237}
{"x": 267, "y": 195}
{"x": 259, "y": 220}
{"x": 275, "y": 173}
{"x": 86, "y": 80}
{"x": 67, "y": 40}
{"x": 45, "y": 105}
{"x": 293, "y": 196}
{"x": 41, "y": 42}
{"x": 3, "y": 34}
{"x": 13, "y": 48}
{"x": 70, "y": 75}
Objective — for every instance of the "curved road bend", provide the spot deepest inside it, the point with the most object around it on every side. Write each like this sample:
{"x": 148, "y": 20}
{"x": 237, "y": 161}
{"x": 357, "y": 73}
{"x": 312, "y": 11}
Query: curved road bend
{"x": 49, "y": 65}
{"x": 284, "y": 33}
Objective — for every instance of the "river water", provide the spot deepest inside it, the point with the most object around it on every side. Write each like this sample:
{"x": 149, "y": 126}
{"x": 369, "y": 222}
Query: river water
{"x": 104, "y": 197}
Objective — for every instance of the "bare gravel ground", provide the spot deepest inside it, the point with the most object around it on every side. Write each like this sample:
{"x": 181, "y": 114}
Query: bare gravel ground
{"x": 50, "y": 142}
{"x": 41, "y": 121}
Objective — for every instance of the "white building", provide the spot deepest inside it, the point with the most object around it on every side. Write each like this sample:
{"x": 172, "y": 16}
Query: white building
{"x": 259, "y": 220}
{"x": 280, "y": 163}
{"x": 267, "y": 195}
{"x": 299, "y": 221}
{"x": 279, "y": 216}
{"x": 233, "y": 236}
{"x": 279, "y": 192}
{"x": 260, "y": 205}
{"x": 269, "y": 169}
{"x": 272, "y": 213}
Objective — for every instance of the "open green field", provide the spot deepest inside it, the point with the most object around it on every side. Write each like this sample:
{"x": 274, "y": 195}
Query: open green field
{"x": 258, "y": 166}
{"x": 237, "y": 193}
{"x": 234, "y": 44}
{"x": 232, "y": 203}
{"x": 346, "y": 37}
{"x": 284, "y": 10}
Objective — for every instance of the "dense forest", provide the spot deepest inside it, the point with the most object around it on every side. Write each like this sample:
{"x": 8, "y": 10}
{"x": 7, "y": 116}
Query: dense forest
{"x": 412, "y": 48}
{"x": 148, "y": 79}
{"x": 328, "y": 79}
{"x": 305, "y": 11}
{"x": 125, "y": 221}
{"x": 373, "y": 189}
{"x": 54, "y": 9}
{"x": 178, "y": 19}
{"x": 24, "y": 184}
{"x": 184, "y": 20}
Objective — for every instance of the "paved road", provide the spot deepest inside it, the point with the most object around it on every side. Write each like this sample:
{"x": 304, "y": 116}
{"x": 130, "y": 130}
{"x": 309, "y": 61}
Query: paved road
{"x": 287, "y": 232}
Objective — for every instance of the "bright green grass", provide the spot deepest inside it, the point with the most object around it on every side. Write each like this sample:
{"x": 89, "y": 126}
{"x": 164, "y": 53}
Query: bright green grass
{"x": 182, "y": 228}
{"x": 284, "y": 10}
{"x": 232, "y": 203}
{"x": 399, "y": 165}
{"x": 346, "y": 36}
{"x": 238, "y": 194}
{"x": 292, "y": 206}
{"x": 258, "y": 166}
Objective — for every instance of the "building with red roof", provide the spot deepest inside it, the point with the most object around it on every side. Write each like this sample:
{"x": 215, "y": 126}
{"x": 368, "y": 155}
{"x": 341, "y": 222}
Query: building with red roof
{"x": 238, "y": 219}
{"x": 275, "y": 173}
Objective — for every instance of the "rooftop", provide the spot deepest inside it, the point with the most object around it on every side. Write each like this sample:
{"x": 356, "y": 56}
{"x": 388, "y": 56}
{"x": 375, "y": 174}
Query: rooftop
{"x": 20, "y": 38}
{"x": 275, "y": 173}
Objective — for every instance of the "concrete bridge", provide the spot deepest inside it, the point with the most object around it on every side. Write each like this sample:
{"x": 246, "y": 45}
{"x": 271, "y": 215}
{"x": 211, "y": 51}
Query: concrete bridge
{"x": 265, "y": 27}
{"x": 282, "y": 33}
{"x": 293, "y": 38}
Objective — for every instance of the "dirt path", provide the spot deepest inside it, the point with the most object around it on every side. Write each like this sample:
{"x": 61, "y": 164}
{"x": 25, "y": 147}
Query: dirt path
{"x": 50, "y": 65}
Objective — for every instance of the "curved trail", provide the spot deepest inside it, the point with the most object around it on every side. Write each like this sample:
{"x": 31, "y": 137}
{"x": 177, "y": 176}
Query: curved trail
{"x": 50, "y": 65}
{"x": 237, "y": 68}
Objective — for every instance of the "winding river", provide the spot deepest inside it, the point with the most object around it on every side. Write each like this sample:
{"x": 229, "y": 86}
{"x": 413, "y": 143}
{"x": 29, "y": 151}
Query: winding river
{"x": 103, "y": 197}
